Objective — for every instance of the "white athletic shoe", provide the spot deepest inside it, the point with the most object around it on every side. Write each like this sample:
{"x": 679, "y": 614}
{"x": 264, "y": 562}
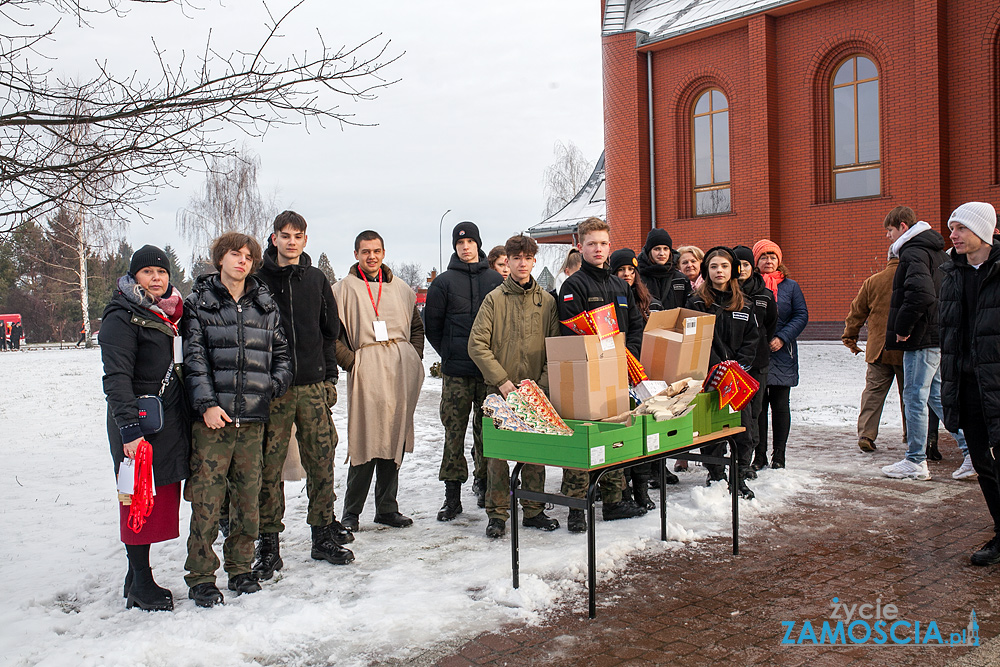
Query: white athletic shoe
{"x": 907, "y": 469}
{"x": 966, "y": 469}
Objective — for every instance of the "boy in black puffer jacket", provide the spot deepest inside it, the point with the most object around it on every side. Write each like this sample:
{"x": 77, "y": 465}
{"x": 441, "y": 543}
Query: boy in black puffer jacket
{"x": 236, "y": 360}
{"x": 736, "y": 338}
{"x": 766, "y": 313}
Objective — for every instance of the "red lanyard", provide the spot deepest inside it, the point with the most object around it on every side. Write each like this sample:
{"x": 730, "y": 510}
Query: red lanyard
{"x": 374, "y": 303}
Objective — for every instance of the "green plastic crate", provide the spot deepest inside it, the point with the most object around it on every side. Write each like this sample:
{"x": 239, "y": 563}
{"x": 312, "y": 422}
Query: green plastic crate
{"x": 666, "y": 435}
{"x": 708, "y": 418}
{"x": 592, "y": 445}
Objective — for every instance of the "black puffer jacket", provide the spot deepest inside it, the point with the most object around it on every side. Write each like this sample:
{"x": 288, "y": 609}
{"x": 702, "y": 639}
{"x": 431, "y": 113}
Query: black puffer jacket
{"x": 736, "y": 333}
{"x": 766, "y": 312}
{"x": 664, "y": 282}
{"x": 980, "y": 345}
{"x": 913, "y": 309}
{"x": 591, "y": 288}
{"x": 137, "y": 347}
{"x": 235, "y": 355}
{"x": 453, "y": 300}
{"x": 309, "y": 316}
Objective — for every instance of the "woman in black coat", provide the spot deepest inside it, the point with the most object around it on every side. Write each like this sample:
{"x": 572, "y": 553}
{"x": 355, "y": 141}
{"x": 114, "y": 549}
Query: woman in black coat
{"x": 137, "y": 346}
{"x": 735, "y": 338}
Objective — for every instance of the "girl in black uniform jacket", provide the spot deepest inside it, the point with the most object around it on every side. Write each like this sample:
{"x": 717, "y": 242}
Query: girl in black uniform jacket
{"x": 736, "y": 337}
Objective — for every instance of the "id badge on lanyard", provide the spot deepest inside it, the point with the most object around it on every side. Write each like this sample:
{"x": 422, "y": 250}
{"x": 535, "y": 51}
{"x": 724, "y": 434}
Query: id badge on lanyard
{"x": 381, "y": 330}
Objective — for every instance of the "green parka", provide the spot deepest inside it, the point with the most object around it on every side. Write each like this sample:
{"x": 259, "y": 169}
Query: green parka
{"x": 507, "y": 341}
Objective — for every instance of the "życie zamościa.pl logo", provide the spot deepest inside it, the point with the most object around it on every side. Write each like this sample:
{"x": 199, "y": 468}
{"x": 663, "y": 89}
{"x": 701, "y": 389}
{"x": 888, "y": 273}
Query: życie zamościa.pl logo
{"x": 875, "y": 623}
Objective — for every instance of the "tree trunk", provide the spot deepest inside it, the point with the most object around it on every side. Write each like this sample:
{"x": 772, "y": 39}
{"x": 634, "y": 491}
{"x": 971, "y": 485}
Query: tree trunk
{"x": 84, "y": 288}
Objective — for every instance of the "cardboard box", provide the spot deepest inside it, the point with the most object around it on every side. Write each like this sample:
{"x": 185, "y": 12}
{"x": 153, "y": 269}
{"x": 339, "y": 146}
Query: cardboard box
{"x": 588, "y": 377}
{"x": 592, "y": 445}
{"x": 676, "y": 344}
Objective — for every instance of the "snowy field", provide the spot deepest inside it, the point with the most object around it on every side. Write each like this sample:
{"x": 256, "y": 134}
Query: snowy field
{"x": 410, "y": 593}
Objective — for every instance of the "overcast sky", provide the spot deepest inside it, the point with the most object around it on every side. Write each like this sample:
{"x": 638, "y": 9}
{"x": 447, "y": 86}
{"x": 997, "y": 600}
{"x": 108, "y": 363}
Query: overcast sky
{"x": 485, "y": 91}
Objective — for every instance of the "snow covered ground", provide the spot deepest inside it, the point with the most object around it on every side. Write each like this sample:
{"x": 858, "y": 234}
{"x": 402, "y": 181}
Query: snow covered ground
{"x": 410, "y": 591}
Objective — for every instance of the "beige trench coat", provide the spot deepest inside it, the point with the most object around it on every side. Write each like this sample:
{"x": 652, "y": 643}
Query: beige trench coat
{"x": 384, "y": 381}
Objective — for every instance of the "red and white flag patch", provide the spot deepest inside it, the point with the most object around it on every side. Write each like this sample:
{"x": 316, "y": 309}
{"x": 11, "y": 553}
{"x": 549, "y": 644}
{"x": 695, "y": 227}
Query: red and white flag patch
{"x": 567, "y": 297}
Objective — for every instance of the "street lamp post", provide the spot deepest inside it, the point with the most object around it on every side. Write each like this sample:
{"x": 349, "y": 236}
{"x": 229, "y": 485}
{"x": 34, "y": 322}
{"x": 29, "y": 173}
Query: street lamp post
{"x": 440, "y": 252}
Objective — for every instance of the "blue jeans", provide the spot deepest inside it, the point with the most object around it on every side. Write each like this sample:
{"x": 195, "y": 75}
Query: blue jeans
{"x": 922, "y": 388}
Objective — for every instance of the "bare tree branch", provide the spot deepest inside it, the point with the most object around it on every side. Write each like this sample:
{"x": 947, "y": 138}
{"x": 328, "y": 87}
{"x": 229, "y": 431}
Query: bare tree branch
{"x": 141, "y": 132}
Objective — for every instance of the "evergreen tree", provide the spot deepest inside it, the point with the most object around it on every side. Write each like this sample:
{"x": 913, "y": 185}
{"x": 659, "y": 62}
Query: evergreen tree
{"x": 178, "y": 276}
{"x": 327, "y": 269}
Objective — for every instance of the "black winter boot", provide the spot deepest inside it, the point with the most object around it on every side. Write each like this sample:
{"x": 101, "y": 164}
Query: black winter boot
{"x": 206, "y": 594}
{"x": 640, "y": 490}
{"x": 623, "y": 509}
{"x": 577, "y": 521}
{"x": 541, "y": 521}
{"x": 339, "y": 532}
{"x": 324, "y": 547}
{"x": 495, "y": 528}
{"x": 479, "y": 489}
{"x": 452, "y": 501}
{"x": 244, "y": 582}
{"x": 144, "y": 593}
{"x": 267, "y": 556}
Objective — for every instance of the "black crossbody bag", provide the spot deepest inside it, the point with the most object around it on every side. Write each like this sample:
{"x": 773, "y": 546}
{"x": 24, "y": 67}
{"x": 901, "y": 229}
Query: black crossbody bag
{"x": 151, "y": 407}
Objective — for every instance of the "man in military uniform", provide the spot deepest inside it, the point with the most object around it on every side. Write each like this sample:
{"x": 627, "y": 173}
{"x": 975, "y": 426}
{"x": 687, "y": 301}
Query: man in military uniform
{"x": 311, "y": 323}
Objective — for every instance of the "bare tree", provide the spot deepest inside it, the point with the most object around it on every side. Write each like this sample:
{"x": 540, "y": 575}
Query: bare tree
{"x": 142, "y": 131}
{"x": 230, "y": 201}
{"x": 564, "y": 177}
{"x": 410, "y": 273}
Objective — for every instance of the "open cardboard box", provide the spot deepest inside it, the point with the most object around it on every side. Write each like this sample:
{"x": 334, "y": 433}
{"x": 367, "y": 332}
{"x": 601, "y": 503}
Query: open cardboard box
{"x": 676, "y": 344}
{"x": 588, "y": 376}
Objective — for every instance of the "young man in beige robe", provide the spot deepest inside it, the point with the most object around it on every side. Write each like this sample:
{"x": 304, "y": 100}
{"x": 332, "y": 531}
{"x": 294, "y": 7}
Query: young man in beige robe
{"x": 381, "y": 346}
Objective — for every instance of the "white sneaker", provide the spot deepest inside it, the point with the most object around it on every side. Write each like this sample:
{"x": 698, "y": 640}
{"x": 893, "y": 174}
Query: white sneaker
{"x": 907, "y": 469}
{"x": 966, "y": 469}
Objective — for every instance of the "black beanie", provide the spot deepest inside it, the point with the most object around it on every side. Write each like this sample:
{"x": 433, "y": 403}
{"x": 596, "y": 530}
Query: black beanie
{"x": 148, "y": 255}
{"x": 623, "y": 257}
{"x": 743, "y": 253}
{"x": 466, "y": 230}
{"x": 657, "y": 237}
{"x": 734, "y": 270}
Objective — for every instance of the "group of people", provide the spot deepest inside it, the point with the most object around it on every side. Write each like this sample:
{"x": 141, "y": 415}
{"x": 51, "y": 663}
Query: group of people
{"x": 934, "y": 326}
{"x": 10, "y": 336}
{"x": 490, "y": 331}
{"x": 253, "y": 351}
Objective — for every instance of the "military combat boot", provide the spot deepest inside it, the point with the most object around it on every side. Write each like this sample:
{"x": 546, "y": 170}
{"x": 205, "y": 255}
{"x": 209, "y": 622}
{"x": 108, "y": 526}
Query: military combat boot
{"x": 452, "y": 501}
{"x": 324, "y": 547}
{"x": 266, "y": 557}
{"x": 577, "y": 521}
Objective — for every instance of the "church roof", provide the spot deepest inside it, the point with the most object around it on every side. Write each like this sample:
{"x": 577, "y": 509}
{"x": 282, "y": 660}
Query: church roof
{"x": 588, "y": 202}
{"x": 661, "y": 19}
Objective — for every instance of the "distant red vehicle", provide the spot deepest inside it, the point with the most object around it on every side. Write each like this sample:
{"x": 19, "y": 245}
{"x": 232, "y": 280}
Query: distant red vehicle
{"x": 8, "y": 319}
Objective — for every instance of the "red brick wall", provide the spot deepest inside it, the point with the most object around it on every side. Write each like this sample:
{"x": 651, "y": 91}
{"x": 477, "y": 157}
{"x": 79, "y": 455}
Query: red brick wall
{"x": 939, "y": 100}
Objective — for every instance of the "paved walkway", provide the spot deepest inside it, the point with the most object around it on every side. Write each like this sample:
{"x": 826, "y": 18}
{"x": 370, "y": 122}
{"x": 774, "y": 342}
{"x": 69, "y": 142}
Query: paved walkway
{"x": 862, "y": 539}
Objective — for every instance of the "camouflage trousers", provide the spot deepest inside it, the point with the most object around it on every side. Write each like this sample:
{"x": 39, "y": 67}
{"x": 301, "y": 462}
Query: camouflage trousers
{"x": 228, "y": 456}
{"x": 305, "y": 406}
{"x": 458, "y": 396}
{"x": 498, "y": 489}
{"x": 575, "y": 483}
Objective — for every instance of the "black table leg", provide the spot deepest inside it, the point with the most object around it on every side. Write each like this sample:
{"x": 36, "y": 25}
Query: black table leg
{"x": 514, "y": 550}
{"x": 662, "y": 471}
{"x": 592, "y": 543}
{"x": 734, "y": 467}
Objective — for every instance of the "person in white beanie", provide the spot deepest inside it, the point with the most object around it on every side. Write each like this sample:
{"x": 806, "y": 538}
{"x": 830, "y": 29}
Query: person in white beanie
{"x": 970, "y": 350}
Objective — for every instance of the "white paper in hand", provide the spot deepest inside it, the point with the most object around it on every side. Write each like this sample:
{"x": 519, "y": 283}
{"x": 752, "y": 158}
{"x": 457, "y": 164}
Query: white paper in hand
{"x": 126, "y": 477}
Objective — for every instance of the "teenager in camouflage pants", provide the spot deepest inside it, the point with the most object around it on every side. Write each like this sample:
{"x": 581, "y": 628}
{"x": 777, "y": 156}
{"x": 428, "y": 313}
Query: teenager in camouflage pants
{"x": 459, "y": 395}
{"x": 223, "y": 457}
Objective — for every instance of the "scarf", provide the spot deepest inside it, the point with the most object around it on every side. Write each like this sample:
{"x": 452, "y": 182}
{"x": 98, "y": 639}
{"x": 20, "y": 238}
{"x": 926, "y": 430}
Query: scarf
{"x": 919, "y": 228}
{"x": 168, "y": 308}
{"x": 772, "y": 280}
